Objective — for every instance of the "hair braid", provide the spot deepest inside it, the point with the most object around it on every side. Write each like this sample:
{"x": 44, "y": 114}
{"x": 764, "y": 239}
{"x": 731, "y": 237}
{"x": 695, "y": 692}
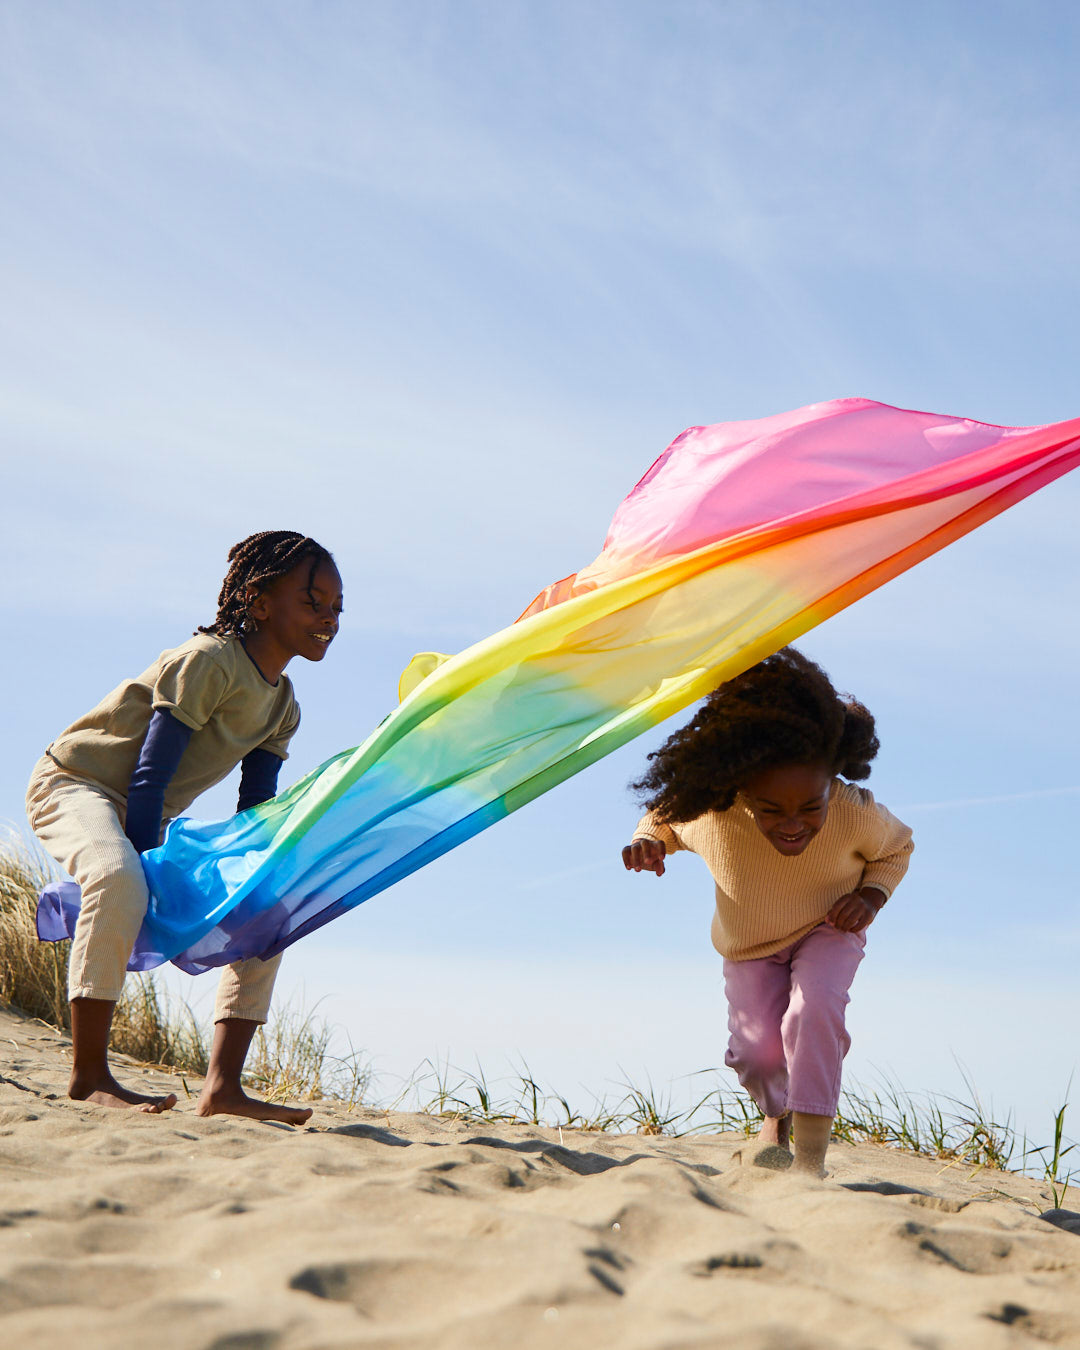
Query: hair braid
{"x": 255, "y": 563}
{"x": 782, "y": 711}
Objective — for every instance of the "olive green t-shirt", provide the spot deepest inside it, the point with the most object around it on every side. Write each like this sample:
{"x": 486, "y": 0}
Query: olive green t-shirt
{"x": 211, "y": 685}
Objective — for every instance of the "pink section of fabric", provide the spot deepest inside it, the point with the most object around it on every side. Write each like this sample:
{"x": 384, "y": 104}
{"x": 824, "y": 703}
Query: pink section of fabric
{"x": 717, "y": 482}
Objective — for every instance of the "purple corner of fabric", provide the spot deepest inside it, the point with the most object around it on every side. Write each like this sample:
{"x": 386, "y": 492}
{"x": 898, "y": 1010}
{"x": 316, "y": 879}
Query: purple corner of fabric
{"x": 51, "y": 926}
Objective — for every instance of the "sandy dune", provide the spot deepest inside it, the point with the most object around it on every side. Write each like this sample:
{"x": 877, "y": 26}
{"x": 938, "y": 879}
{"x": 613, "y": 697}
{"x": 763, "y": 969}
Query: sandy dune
{"x": 403, "y": 1231}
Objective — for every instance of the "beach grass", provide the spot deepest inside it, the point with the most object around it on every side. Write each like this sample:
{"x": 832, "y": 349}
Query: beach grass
{"x": 33, "y": 974}
{"x": 293, "y": 1058}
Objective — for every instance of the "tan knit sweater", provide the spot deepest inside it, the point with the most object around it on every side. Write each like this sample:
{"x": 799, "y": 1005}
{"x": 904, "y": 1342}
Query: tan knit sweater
{"x": 764, "y": 900}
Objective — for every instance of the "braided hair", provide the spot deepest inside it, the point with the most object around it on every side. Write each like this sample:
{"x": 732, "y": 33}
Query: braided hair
{"x": 255, "y": 563}
{"x": 782, "y": 711}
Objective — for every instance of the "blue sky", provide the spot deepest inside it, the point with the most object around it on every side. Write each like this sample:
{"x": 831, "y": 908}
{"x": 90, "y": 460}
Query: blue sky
{"x": 436, "y": 283}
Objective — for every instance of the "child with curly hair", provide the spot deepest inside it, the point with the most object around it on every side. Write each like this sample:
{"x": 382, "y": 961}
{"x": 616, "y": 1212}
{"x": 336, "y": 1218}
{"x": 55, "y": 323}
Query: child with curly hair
{"x": 803, "y": 863}
{"x": 106, "y": 787}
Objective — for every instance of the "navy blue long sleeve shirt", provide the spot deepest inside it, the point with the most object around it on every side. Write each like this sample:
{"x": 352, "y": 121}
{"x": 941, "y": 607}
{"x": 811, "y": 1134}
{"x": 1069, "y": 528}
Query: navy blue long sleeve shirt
{"x": 165, "y": 742}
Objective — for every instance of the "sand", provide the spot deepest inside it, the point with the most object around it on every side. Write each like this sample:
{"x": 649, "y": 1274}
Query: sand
{"x": 376, "y": 1229}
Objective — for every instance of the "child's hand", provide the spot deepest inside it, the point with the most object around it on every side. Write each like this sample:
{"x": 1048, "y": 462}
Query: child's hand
{"x": 856, "y": 911}
{"x": 644, "y": 855}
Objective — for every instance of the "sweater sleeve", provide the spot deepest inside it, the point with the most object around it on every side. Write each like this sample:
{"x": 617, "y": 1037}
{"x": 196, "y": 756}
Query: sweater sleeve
{"x": 650, "y": 826}
{"x": 258, "y": 777}
{"x": 887, "y": 862}
{"x": 165, "y": 742}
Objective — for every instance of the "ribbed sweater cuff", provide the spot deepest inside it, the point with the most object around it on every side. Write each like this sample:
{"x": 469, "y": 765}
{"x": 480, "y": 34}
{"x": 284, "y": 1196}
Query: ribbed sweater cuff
{"x": 884, "y": 878}
{"x": 669, "y": 841}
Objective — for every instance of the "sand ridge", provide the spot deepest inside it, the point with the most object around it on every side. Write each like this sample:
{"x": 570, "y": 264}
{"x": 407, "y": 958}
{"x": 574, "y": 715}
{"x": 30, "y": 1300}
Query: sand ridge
{"x": 410, "y": 1232}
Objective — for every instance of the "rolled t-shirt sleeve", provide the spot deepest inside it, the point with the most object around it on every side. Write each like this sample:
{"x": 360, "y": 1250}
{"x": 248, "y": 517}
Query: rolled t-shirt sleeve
{"x": 190, "y": 688}
{"x": 278, "y": 742}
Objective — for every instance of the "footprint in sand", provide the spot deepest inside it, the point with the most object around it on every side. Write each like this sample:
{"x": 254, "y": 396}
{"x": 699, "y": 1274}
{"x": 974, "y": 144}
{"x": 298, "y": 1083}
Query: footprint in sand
{"x": 1054, "y": 1328}
{"x": 974, "y": 1251}
{"x": 416, "y": 1289}
{"x": 386, "y": 1289}
{"x": 90, "y": 1283}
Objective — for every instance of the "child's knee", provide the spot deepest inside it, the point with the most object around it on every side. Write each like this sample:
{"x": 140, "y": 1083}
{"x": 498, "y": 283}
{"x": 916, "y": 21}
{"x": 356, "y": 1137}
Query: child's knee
{"x": 113, "y": 885}
{"x": 112, "y": 907}
{"x": 818, "y": 1021}
{"x": 757, "y": 1056}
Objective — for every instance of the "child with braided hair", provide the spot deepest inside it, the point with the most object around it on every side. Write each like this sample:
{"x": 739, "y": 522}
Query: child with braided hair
{"x": 104, "y": 789}
{"x": 803, "y": 863}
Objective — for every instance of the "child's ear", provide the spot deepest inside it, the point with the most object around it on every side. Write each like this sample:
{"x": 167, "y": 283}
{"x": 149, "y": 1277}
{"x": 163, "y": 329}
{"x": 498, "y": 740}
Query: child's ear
{"x": 256, "y": 602}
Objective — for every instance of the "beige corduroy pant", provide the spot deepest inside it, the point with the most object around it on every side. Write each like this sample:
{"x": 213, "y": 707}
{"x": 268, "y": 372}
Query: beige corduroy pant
{"x": 82, "y": 826}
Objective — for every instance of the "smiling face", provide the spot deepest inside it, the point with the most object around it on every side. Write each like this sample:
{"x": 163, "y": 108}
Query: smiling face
{"x": 789, "y": 804}
{"x": 296, "y": 615}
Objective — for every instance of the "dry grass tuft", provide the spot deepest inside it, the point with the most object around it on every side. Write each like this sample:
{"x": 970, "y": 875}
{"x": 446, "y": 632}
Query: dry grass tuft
{"x": 33, "y": 974}
{"x": 290, "y": 1059}
{"x": 146, "y": 1027}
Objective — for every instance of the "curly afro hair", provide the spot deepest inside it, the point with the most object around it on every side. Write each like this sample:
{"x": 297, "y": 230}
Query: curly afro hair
{"x": 782, "y": 711}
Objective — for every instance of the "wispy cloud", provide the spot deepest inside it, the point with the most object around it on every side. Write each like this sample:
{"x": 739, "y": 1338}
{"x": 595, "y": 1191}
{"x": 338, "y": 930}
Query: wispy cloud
{"x": 958, "y": 803}
{"x": 716, "y": 129}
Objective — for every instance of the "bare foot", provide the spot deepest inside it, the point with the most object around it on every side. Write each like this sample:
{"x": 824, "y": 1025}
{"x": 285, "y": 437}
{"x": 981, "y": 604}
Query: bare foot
{"x": 775, "y": 1130}
{"x": 106, "y": 1091}
{"x": 813, "y": 1168}
{"x": 812, "y": 1134}
{"x": 233, "y": 1102}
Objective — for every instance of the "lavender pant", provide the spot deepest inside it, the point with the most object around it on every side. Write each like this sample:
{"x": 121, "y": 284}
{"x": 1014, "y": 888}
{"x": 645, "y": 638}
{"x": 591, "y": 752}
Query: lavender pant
{"x": 786, "y": 1018}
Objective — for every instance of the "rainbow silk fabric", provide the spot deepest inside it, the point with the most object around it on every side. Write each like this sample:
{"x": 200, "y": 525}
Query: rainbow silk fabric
{"x": 741, "y": 537}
